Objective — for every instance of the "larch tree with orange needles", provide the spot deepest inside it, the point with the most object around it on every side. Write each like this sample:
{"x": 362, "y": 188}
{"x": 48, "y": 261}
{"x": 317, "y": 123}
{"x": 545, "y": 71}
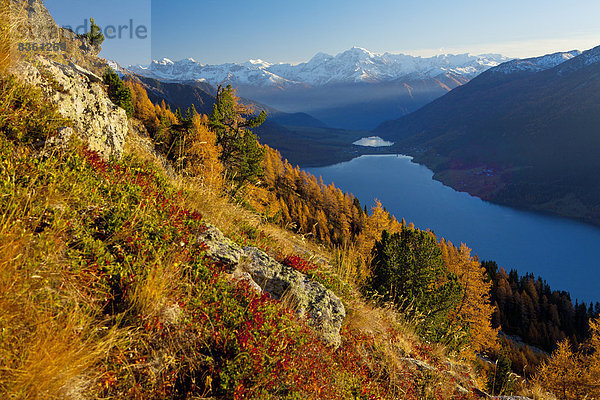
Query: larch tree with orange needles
{"x": 563, "y": 374}
{"x": 475, "y": 308}
{"x": 378, "y": 221}
{"x": 203, "y": 154}
{"x": 144, "y": 110}
{"x": 592, "y": 359}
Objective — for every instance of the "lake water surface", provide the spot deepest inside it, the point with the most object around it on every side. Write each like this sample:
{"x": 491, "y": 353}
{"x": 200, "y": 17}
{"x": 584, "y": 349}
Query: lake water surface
{"x": 563, "y": 252}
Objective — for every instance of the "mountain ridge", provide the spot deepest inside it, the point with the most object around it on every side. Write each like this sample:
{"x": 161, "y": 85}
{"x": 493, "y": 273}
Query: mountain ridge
{"x": 353, "y": 65}
{"x": 527, "y": 139}
{"x": 353, "y": 90}
{"x": 536, "y": 64}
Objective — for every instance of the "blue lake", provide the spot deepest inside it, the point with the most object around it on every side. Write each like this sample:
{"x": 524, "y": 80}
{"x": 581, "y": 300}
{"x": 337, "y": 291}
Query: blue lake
{"x": 563, "y": 252}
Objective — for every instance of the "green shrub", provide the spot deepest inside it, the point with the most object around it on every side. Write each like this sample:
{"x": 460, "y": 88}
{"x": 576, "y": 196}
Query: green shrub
{"x": 95, "y": 35}
{"x": 118, "y": 92}
{"x": 408, "y": 270}
{"x": 500, "y": 380}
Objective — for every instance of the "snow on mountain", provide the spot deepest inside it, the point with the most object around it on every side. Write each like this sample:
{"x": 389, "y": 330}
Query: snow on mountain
{"x": 592, "y": 56}
{"x": 117, "y": 68}
{"x": 253, "y": 72}
{"x": 586, "y": 58}
{"x": 351, "y": 66}
{"x": 536, "y": 64}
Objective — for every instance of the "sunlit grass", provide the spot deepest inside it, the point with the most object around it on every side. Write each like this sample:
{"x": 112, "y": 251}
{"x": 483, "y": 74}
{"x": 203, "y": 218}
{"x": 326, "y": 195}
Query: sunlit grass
{"x": 105, "y": 292}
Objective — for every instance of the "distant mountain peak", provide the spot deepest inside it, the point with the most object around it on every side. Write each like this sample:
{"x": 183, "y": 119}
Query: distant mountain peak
{"x": 164, "y": 61}
{"x": 257, "y": 62}
{"x": 320, "y": 57}
{"x": 360, "y": 51}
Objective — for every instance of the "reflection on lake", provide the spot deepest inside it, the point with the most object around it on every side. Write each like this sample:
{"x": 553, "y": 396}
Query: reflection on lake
{"x": 373, "y": 141}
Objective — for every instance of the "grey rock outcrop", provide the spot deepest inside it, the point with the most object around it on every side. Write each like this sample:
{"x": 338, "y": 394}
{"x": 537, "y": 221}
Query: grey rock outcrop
{"x": 40, "y": 27}
{"x": 81, "y": 97}
{"x": 418, "y": 364}
{"x": 221, "y": 248}
{"x": 321, "y": 307}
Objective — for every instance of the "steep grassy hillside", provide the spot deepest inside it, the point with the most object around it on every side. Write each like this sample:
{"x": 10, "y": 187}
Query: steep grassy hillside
{"x": 103, "y": 269}
{"x": 181, "y": 259}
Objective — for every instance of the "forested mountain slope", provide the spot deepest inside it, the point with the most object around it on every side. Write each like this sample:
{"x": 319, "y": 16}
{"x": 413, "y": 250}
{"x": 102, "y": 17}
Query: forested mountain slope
{"x": 517, "y": 135}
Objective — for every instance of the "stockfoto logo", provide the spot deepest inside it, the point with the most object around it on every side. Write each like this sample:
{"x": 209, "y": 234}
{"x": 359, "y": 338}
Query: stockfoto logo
{"x": 124, "y": 30}
{"x": 56, "y": 38}
{"x": 129, "y": 30}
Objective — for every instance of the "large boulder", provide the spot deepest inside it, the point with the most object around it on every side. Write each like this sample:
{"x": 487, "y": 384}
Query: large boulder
{"x": 80, "y": 96}
{"x": 321, "y": 307}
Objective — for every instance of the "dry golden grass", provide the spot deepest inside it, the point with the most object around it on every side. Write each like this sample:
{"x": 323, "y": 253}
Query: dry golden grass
{"x": 59, "y": 357}
{"x": 385, "y": 324}
{"x": 51, "y": 335}
{"x": 49, "y": 343}
{"x": 393, "y": 335}
{"x": 536, "y": 392}
{"x": 157, "y": 289}
{"x": 11, "y": 18}
{"x": 350, "y": 265}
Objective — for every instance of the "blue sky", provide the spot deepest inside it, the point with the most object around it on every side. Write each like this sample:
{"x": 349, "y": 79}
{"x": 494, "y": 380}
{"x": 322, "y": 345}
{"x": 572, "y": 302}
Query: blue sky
{"x": 218, "y": 31}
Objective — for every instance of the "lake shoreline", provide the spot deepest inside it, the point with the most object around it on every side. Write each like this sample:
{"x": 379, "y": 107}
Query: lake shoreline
{"x": 477, "y": 189}
{"x": 442, "y": 176}
{"x": 523, "y": 239}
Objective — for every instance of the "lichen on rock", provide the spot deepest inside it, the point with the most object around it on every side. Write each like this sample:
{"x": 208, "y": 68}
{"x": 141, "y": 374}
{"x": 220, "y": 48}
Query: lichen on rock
{"x": 80, "y": 96}
{"x": 220, "y": 248}
{"x": 322, "y": 308}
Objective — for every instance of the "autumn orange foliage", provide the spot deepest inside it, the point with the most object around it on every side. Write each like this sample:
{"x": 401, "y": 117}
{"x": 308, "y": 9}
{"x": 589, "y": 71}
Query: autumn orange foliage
{"x": 294, "y": 199}
{"x": 475, "y": 308}
{"x": 574, "y": 373}
{"x": 145, "y": 110}
{"x": 203, "y": 153}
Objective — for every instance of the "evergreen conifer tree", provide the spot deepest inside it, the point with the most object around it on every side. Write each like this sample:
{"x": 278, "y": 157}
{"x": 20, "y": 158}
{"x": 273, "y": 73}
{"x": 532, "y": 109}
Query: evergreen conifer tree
{"x": 500, "y": 379}
{"x": 408, "y": 270}
{"x": 95, "y": 35}
{"x": 118, "y": 92}
{"x": 241, "y": 153}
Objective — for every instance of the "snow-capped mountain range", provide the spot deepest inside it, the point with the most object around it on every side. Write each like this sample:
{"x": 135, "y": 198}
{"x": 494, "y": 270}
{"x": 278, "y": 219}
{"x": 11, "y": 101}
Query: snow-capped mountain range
{"x": 351, "y": 66}
{"x": 536, "y": 64}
